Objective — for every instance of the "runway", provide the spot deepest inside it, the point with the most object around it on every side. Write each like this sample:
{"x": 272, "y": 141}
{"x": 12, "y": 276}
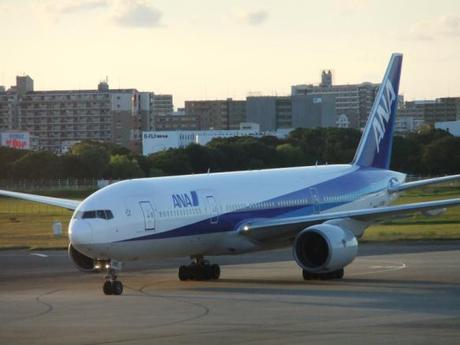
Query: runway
{"x": 406, "y": 293}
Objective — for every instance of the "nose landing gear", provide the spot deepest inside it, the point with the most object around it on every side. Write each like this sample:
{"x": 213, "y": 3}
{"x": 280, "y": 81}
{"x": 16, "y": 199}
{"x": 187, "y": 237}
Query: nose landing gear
{"x": 199, "y": 269}
{"x": 112, "y": 286}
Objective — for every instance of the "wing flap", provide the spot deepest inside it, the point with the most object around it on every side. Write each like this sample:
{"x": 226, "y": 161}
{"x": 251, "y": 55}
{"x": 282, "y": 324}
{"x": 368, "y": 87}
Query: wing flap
{"x": 47, "y": 200}
{"x": 268, "y": 229}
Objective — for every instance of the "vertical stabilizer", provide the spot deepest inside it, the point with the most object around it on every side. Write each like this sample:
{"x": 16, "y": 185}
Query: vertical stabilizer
{"x": 374, "y": 149}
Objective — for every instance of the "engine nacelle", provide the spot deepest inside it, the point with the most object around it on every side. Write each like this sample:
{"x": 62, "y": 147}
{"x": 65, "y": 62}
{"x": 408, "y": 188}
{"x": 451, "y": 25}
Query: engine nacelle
{"x": 324, "y": 248}
{"x": 80, "y": 261}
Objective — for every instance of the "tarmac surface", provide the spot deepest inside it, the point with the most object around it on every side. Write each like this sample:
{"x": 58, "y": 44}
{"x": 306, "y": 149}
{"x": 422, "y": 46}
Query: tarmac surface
{"x": 402, "y": 293}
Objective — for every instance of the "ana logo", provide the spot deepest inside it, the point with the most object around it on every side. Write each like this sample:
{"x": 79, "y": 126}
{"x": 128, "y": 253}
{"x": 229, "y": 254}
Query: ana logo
{"x": 383, "y": 113}
{"x": 185, "y": 199}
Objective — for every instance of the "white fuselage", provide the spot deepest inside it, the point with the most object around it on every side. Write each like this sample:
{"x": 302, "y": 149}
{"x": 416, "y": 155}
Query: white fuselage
{"x": 199, "y": 214}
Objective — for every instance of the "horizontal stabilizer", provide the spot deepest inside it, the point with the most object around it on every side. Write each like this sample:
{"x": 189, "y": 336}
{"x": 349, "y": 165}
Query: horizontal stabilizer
{"x": 422, "y": 183}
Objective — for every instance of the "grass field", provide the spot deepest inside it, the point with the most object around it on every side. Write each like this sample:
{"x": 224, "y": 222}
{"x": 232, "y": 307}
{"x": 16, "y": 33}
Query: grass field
{"x": 29, "y": 225}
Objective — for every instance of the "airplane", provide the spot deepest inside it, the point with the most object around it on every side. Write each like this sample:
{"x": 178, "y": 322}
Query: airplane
{"x": 320, "y": 211}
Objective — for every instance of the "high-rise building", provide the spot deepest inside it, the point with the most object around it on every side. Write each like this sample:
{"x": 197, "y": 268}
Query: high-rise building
{"x": 326, "y": 78}
{"x": 217, "y": 114}
{"x": 299, "y": 111}
{"x": 175, "y": 122}
{"x": 262, "y": 110}
{"x": 162, "y": 105}
{"x": 8, "y": 110}
{"x": 60, "y": 118}
{"x": 354, "y": 100}
{"x": 432, "y": 111}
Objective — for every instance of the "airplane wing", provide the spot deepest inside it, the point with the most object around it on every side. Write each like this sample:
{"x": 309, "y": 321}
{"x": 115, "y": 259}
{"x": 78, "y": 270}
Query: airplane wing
{"x": 64, "y": 203}
{"x": 422, "y": 183}
{"x": 264, "y": 230}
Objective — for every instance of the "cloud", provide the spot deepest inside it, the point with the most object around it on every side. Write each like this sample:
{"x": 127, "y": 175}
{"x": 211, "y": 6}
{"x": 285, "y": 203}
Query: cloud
{"x": 125, "y": 13}
{"x": 137, "y": 14}
{"x": 52, "y": 11}
{"x": 253, "y": 17}
{"x": 55, "y": 8}
{"x": 347, "y": 7}
{"x": 436, "y": 28}
{"x": 84, "y": 6}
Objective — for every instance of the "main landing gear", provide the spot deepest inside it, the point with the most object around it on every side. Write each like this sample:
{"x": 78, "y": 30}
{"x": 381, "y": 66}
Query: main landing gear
{"x": 199, "y": 269}
{"x": 334, "y": 275}
{"x": 112, "y": 286}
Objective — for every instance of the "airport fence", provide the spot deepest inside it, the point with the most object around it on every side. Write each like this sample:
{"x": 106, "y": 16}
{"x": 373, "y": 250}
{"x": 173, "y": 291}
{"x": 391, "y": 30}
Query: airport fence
{"x": 52, "y": 185}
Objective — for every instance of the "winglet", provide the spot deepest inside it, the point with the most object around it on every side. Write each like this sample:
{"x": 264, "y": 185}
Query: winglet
{"x": 374, "y": 149}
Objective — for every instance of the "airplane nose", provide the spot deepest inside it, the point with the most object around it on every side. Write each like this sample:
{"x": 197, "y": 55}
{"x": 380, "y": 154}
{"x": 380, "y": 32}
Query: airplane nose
{"x": 80, "y": 232}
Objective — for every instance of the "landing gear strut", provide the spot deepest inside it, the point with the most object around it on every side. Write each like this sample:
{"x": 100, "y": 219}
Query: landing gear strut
{"x": 199, "y": 269}
{"x": 112, "y": 286}
{"x": 334, "y": 275}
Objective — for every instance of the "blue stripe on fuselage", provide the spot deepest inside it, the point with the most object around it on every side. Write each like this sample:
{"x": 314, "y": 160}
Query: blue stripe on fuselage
{"x": 339, "y": 191}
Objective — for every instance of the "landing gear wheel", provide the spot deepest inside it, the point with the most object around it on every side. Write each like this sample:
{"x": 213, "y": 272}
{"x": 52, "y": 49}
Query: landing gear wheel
{"x": 112, "y": 286}
{"x": 107, "y": 288}
{"x": 309, "y": 276}
{"x": 117, "y": 287}
{"x": 339, "y": 274}
{"x": 334, "y": 275}
{"x": 200, "y": 269}
{"x": 184, "y": 273}
{"x": 215, "y": 272}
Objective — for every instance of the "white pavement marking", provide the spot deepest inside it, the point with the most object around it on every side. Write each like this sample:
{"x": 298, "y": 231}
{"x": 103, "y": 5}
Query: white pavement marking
{"x": 39, "y": 254}
{"x": 386, "y": 266}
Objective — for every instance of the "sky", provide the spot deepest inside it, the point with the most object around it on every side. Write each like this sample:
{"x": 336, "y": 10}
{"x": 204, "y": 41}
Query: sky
{"x": 215, "y": 49}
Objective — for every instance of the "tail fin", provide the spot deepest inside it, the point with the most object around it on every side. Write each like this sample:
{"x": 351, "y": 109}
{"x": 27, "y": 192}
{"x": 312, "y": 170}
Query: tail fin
{"x": 374, "y": 149}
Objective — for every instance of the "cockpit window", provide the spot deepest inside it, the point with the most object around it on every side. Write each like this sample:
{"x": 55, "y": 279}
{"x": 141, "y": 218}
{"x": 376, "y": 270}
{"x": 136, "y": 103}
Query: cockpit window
{"x": 89, "y": 214}
{"x": 108, "y": 214}
{"x": 101, "y": 214}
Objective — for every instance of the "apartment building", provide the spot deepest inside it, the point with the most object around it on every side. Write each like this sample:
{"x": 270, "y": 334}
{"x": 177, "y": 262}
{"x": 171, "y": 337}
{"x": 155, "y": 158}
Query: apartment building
{"x": 61, "y": 118}
{"x": 299, "y": 111}
{"x": 353, "y": 100}
{"x": 217, "y": 114}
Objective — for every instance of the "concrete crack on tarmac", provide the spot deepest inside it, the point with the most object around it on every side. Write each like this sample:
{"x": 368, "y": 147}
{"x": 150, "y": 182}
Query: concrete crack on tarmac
{"x": 204, "y": 313}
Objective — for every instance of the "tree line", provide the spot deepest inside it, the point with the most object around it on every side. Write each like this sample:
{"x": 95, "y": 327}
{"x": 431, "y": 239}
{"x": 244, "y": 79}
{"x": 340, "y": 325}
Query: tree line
{"x": 426, "y": 152}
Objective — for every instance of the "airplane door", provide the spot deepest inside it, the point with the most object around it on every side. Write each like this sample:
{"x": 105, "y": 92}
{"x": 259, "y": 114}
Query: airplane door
{"x": 314, "y": 196}
{"x": 149, "y": 215}
{"x": 213, "y": 210}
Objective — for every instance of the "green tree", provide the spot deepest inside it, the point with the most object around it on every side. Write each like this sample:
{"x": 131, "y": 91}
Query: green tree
{"x": 121, "y": 167}
{"x": 442, "y": 156}
{"x": 171, "y": 162}
{"x": 36, "y": 165}
{"x": 200, "y": 158}
{"x": 94, "y": 158}
{"x": 72, "y": 166}
{"x": 289, "y": 155}
{"x": 7, "y": 157}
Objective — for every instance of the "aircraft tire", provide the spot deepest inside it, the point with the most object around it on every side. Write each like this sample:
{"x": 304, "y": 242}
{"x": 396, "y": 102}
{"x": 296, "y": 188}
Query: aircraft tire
{"x": 107, "y": 288}
{"x": 335, "y": 275}
{"x": 339, "y": 274}
{"x": 117, "y": 287}
{"x": 184, "y": 273}
{"x": 215, "y": 272}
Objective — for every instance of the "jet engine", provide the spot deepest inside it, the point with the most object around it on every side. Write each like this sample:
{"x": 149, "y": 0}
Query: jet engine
{"x": 80, "y": 261}
{"x": 324, "y": 248}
